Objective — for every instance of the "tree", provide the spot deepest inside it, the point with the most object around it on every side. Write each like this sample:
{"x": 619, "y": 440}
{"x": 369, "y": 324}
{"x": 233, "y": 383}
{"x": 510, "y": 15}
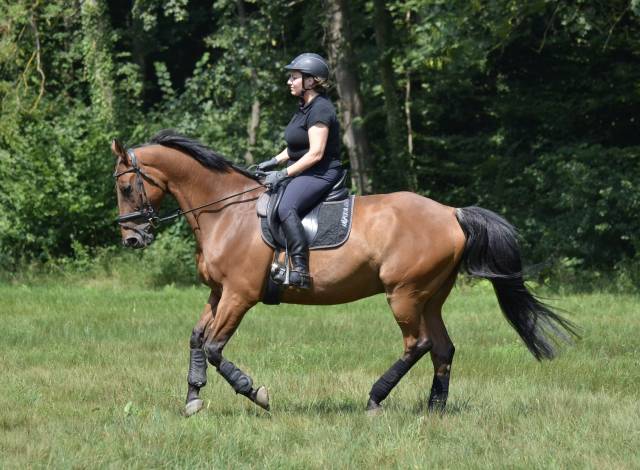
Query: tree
{"x": 397, "y": 161}
{"x": 254, "y": 118}
{"x": 350, "y": 103}
{"x": 98, "y": 61}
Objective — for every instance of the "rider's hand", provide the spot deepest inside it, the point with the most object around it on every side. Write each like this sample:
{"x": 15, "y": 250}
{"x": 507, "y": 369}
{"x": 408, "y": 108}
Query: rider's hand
{"x": 274, "y": 178}
{"x": 268, "y": 165}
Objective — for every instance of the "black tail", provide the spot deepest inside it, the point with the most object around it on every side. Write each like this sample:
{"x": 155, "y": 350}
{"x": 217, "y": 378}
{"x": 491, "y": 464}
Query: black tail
{"x": 492, "y": 252}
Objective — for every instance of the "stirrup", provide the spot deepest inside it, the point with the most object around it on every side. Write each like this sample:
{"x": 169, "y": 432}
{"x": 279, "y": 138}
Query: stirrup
{"x": 278, "y": 273}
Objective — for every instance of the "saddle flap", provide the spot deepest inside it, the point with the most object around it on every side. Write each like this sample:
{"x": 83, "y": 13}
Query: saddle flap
{"x": 272, "y": 214}
{"x": 337, "y": 211}
{"x": 263, "y": 203}
{"x": 327, "y": 226}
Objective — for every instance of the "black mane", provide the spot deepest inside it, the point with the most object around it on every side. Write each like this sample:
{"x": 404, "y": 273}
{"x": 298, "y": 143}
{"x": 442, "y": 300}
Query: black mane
{"x": 200, "y": 152}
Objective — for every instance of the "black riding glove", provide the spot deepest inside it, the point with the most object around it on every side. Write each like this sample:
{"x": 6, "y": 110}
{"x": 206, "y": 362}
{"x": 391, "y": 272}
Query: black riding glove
{"x": 268, "y": 165}
{"x": 274, "y": 178}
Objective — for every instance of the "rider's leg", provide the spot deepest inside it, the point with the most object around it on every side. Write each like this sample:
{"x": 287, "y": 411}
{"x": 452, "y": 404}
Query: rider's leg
{"x": 300, "y": 196}
{"x": 298, "y": 250}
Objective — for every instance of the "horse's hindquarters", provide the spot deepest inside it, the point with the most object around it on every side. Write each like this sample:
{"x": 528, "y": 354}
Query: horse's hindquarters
{"x": 395, "y": 238}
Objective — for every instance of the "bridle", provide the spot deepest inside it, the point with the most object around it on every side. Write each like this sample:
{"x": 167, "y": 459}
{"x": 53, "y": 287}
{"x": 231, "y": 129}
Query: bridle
{"x": 146, "y": 212}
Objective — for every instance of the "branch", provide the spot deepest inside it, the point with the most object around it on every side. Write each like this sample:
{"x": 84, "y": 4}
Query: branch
{"x": 32, "y": 20}
{"x": 25, "y": 71}
{"x": 613, "y": 26}
{"x": 546, "y": 30}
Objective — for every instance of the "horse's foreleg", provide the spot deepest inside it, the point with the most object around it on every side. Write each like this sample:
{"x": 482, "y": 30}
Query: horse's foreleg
{"x": 416, "y": 345}
{"x": 228, "y": 317}
{"x": 197, "y": 376}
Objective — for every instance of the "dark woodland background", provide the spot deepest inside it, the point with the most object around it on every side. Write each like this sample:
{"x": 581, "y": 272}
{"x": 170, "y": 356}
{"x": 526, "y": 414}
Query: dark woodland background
{"x": 528, "y": 108}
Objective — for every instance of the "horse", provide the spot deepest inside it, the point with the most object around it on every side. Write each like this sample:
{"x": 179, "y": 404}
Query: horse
{"x": 401, "y": 244}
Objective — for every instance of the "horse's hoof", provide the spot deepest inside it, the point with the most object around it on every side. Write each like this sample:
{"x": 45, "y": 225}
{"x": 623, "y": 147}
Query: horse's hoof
{"x": 262, "y": 398}
{"x": 373, "y": 408}
{"x": 193, "y": 407}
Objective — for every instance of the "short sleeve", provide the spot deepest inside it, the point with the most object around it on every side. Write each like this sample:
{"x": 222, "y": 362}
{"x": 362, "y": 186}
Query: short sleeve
{"x": 321, "y": 113}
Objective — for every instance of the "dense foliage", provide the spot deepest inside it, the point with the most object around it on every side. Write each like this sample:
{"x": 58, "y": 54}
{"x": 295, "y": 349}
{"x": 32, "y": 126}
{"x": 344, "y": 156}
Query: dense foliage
{"x": 528, "y": 108}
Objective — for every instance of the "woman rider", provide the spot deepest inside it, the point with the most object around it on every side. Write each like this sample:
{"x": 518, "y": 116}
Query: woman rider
{"x": 312, "y": 156}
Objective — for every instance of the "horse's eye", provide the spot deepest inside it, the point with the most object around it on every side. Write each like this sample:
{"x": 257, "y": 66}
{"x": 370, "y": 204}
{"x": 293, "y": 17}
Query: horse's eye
{"x": 126, "y": 190}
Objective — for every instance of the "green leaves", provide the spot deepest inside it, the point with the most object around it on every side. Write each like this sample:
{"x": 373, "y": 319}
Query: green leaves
{"x": 526, "y": 107}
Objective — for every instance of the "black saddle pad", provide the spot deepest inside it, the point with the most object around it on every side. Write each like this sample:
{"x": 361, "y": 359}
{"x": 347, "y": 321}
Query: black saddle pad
{"x": 333, "y": 227}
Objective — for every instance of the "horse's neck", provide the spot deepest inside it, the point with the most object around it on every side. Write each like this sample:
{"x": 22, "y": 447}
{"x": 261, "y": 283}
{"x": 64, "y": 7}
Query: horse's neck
{"x": 193, "y": 185}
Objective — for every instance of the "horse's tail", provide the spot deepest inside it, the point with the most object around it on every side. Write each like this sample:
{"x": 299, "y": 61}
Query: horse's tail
{"x": 492, "y": 252}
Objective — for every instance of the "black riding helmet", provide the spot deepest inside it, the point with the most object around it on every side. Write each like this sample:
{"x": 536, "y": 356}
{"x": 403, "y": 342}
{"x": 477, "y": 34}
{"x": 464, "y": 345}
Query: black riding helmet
{"x": 310, "y": 64}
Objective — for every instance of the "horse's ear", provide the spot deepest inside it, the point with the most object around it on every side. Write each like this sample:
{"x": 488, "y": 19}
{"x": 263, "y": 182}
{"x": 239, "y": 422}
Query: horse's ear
{"x": 119, "y": 151}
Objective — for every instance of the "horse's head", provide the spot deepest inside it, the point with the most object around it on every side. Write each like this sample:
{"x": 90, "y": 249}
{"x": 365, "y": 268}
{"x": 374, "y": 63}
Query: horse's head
{"x": 139, "y": 196}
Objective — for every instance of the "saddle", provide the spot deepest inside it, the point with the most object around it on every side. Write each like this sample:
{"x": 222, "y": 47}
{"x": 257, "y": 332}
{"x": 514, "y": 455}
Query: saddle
{"x": 326, "y": 226}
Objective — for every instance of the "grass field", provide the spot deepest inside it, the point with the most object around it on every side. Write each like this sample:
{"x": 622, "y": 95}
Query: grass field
{"x": 95, "y": 377}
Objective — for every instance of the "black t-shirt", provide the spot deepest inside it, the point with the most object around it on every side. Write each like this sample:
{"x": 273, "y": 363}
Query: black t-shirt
{"x": 319, "y": 110}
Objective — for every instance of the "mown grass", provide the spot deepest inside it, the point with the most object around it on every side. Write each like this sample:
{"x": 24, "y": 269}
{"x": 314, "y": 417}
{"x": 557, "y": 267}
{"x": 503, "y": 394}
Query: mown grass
{"x": 95, "y": 376}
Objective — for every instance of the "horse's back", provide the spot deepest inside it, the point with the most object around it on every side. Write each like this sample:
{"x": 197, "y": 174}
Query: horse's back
{"x": 407, "y": 217}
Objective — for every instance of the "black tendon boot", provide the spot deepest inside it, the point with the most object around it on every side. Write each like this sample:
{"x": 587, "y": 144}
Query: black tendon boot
{"x": 298, "y": 250}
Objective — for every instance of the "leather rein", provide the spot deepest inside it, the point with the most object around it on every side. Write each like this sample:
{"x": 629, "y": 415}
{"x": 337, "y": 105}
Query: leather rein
{"x": 146, "y": 212}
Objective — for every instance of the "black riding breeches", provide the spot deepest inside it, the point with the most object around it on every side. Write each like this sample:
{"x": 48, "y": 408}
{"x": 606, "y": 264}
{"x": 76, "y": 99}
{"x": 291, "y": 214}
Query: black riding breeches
{"x": 304, "y": 192}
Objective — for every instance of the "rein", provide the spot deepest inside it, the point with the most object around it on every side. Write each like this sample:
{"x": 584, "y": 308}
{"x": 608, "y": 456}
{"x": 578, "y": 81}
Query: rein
{"x": 147, "y": 212}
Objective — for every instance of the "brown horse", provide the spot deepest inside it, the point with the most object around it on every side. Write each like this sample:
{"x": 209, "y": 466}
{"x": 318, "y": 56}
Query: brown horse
{"x": 409, "y": 247}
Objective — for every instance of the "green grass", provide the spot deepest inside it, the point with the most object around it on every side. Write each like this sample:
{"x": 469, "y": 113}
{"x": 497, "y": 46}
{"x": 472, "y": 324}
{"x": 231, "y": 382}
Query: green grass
{"x": 96, "y": 377}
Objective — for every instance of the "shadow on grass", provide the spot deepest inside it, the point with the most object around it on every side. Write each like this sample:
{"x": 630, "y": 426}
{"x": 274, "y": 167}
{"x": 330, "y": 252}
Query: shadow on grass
{"x": 453, "y": 408}
{"x": 336, "y": 407}
{"x": 311, "y": 408}
{"x": 325, "y": 407}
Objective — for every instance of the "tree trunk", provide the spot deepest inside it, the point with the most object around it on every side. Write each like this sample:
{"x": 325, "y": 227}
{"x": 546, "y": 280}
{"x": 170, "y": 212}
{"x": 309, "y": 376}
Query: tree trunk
{"x": 398, "y": 163}
{"x": 350, "y": 102}
{"x": 413, "y": 178}
{"x": 407, "y": 98}
{"x": 254, "y": 119}
{"x": 407, "y": 112}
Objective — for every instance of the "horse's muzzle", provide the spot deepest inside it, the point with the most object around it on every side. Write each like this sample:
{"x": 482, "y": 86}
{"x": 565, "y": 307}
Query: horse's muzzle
{"x": 133, "y": 241}
{"x": 138, "y": 239}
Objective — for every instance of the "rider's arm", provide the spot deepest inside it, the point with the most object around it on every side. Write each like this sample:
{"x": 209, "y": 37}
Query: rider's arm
{"x": 318, "y": 135}
{"x": 282, "y": 156}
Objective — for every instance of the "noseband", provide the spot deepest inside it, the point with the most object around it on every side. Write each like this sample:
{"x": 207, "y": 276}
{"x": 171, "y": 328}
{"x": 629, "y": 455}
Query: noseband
{"x": 146, "y": 213}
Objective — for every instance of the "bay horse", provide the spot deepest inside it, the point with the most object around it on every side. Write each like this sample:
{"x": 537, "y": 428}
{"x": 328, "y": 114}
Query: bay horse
{"x": 403, "y": 245}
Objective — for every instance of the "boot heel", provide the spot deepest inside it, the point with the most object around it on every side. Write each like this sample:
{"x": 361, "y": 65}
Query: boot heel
{"x": 300, "y": 280}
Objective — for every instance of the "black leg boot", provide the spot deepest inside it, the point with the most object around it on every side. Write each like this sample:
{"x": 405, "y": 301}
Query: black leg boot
{"x": 298, "y": 250}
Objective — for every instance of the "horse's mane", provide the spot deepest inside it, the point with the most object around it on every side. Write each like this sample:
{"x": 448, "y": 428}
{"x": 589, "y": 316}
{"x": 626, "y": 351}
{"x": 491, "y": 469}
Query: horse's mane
{"x": 197, "y": 150}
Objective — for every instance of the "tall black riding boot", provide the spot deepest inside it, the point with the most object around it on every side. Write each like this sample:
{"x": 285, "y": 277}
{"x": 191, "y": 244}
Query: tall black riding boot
{"x": 298, "y": 250}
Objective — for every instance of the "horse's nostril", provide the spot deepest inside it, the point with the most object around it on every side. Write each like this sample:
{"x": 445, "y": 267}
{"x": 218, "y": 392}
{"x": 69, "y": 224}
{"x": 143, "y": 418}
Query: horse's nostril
{"x": 132, "y": 242}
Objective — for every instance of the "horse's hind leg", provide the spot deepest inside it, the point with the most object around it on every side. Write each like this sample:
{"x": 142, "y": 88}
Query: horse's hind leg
{"x": 442, "y": 349}
{"x": 408, "y": 313}
{"x": 197, "y": 376}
